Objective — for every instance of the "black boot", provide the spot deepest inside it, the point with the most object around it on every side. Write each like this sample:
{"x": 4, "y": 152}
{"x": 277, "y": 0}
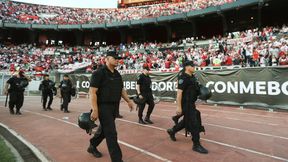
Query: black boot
{"x": 141, "y": 121}
{"x": 44, "y": 108}
{"x": 93, "y": 150}
{"x": 18, "y": 112}
{"x": 66, "y": 111}
{"x": 199, "y": 148}
{"x": 12, "y": 111}
{"x": 49, "y": 108}
{"x": 171, "y": 134}
{"x": 147, "y": 120}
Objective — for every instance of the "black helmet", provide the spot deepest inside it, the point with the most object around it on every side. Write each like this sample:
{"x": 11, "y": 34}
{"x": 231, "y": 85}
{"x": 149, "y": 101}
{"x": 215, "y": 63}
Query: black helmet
{"x": 138, "y": 100}
{"x": 85, "y": 122}
{"x": 205, "y": 93}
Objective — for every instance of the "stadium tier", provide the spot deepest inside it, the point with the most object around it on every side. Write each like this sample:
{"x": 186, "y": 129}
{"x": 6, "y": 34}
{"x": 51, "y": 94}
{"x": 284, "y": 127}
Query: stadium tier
{"x": 15, "y": 12}
{"x": 161, "y": 36}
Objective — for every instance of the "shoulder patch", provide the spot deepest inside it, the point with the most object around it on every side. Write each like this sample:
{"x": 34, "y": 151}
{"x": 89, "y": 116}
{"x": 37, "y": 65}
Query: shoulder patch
{"x": 180, "y": 81}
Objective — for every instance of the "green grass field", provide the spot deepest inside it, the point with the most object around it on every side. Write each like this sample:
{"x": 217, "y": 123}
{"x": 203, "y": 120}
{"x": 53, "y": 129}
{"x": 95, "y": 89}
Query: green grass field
{"x": 5, "y": 153}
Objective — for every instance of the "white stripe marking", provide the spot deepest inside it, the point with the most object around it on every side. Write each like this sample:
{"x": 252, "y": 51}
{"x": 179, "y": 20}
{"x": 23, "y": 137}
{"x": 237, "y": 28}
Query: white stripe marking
{"x": 211, "y": 109}
{"x": 215, "y": 142}
{"x": 28, "y": 144}
{"x": 247, "y": 131}
{"x": 250, "y": 121}
{"x": 231, "y": 128}
{"x": 124, "y": 143}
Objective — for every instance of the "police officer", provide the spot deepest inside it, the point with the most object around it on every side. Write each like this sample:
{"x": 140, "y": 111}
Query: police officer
{"x": 187, "y": 94}
{"x": 145, "y": 92}
{"x": 66, "y": 88}
{"x": 106, "y": 90}
{"x": 47, "y": 87}
{"x": 18, "y": 82}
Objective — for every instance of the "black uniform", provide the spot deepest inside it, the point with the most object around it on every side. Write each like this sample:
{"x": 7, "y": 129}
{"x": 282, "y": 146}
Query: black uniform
{"x": 66, "y": 88}
{"x": 192, "y": 117}
{"x": 48, "y": 88}
{"x": 16, "y": 93}
{"x": 109, "y": 92}
{"x": 144, "y": 81}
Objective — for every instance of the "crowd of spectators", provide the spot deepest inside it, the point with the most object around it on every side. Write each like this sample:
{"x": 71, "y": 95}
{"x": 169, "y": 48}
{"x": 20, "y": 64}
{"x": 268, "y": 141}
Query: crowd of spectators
{"x": 16, "y": 12}
{"x": 251, "y": 48}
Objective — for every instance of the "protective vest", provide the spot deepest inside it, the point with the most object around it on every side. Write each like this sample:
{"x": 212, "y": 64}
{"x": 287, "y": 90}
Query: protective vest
{"x": 145, "y": 87}
{"x": 66, "y": 86}
{"x": 190, "y": 94}
{"x": 110, "y": 88}
{"x": 47, "y": 85}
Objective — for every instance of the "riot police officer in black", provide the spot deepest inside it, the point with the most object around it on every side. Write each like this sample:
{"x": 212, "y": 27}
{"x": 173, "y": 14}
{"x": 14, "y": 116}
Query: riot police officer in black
{"x": 145, "y": 92}
{"x": 18, "y": 82}
{"x": 187, "y": 94}
{"x": 47, "y": 87}
{"x": 66, "y": 88}
{"x": 106, "y": 90}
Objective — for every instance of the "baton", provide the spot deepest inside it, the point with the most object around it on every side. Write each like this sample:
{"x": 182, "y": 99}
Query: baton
{"x": 6, "y": 100}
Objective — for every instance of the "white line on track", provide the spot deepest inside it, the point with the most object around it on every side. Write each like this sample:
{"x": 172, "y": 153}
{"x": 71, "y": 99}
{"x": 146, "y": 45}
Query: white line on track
{"x": 249, "y": 121}
{"x": 230, "y": 128}
{"x": 215, "y": 142}
{"x": 247, "y": 131}
{"x": 225, "y": 111}
{"x": 122, "y": 142}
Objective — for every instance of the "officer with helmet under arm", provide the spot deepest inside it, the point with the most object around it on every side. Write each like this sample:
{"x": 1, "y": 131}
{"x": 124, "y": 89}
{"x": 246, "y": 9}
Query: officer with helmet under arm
{"x": 106, "y": 90}
{"x": 187, "y": 94}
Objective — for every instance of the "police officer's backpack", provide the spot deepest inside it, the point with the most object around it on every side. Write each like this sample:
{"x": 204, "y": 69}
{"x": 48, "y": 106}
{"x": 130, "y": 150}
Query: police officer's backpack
{"x": 85, "y": 122}
{"x": 205, "y": 93}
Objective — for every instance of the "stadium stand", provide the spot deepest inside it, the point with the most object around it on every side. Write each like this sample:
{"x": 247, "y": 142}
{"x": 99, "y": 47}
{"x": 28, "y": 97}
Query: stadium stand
{"x": 15, "y": 12}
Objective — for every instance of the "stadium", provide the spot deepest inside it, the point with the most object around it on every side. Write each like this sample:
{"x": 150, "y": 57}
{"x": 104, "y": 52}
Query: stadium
{"x": 238, "y": 48}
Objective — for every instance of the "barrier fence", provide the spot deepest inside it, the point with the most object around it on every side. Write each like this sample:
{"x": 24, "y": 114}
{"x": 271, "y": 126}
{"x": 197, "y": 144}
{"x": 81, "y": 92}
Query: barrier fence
{"x": 265, "y": 87}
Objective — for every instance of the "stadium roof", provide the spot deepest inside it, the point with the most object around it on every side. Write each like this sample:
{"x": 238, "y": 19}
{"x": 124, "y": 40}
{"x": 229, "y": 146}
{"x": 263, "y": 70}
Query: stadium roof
{"x": 75, "y": 3}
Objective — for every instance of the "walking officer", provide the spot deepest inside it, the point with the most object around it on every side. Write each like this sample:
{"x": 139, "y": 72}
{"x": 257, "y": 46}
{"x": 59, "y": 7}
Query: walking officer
{"x": 106, "y": 90}
{"x": 66, "y": 88}
{"x": 187, "y": 94}
{"x": 144, "y": 91}
{"x": 18, "y": 82}
{"x": 47, "y": 87}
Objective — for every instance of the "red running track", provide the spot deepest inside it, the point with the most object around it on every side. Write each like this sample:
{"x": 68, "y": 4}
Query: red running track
{"x": 232, "y": 134}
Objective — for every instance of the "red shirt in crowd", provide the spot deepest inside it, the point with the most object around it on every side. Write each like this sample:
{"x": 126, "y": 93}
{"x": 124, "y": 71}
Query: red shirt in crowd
{"x": 167, "y": 64}
{"x": 283, "y": 61}
{"x": 229, "y": 61}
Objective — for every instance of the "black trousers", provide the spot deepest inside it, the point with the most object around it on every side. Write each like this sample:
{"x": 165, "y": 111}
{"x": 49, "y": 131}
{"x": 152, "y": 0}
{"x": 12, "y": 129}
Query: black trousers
{"x": 16, "y": 99}
{"x": 66, "y": 99}
{"x": 107, "y": 129}
{"x": 196, "y": 131}
{"x": 117, "y": 110}
{"x": 45, "y": 96}
{"x": 150, "y": 101}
